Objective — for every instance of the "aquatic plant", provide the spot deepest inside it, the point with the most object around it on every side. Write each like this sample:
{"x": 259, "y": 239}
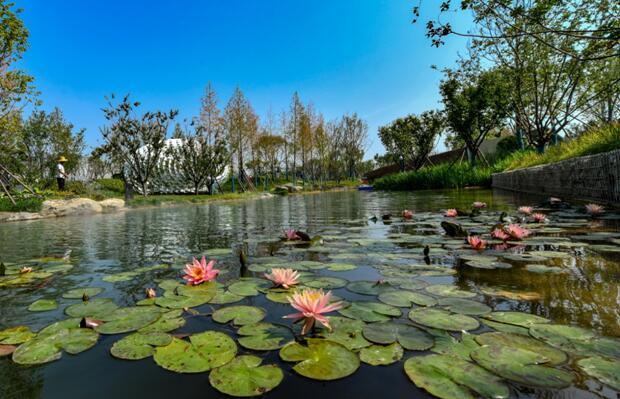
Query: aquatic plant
{"x": 200, "y": 272}
{"x": 594, "y": 209}
{"x": 407, "y": 214}
{"x": 150, "y": 293}
{"x": 479, "y": 205}
{"x": 476, "y": 242}
{"x": 285, "y": 278}
{"x": 25, "y": 269}
{"x": 500, "y": 234}
{"x": 539, "y": 217}
{"x": 451, "y": 213}
{"x": 516, "y": 232}
{"x": 312, "y": 304}
{"x": 525, "y": 210}
{"x": 291, "y": 235}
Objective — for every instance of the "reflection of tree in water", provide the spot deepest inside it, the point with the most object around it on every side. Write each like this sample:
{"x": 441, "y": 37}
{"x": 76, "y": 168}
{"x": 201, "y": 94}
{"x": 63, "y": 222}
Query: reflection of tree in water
{"x": 20, "y": 382}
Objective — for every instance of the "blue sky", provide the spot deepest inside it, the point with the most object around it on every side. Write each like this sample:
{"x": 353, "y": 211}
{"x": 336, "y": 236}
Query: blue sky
{"x": 344, "y": 56}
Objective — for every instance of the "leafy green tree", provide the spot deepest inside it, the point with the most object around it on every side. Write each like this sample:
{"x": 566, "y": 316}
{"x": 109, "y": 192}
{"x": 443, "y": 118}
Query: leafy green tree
{"x": 137, "y": 142}
{"x": 354, "y": 137}
{"x": 475, "y": 108}
{"x": 239, "y": 121}
{"x": 270, "y": 147}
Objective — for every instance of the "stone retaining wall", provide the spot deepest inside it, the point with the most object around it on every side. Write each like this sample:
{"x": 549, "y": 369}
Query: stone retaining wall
{"x": 594, "y": 177}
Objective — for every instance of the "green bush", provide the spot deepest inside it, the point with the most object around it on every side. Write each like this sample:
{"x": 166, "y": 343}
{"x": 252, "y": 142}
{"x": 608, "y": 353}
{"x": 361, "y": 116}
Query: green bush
{"x": 31, "y": 204}
{"x": 440, "y": 176}
{"x": 115, "y": 185}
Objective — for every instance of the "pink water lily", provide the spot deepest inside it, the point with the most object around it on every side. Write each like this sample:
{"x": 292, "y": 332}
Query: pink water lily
{"x": 200, "y": 272}
{"x": 476, "y": 242}
{"x": 516, "y": 232}
{"x": 312, "y": 304}
{"x": 525, "y": 210}
{"x": 150, "y": 293}
{"x": 290, "y": 235}
{"x": 451, "y": 213}
{"x": 539, "y": 217}
{"x": 25, "y": 269}
{"x": 285, "y": 278}
{"x": 594, "y": 209}
{"x": 407, "y": 214}
{"x": 479, "y": 205}
{"x": 500, "y": 234}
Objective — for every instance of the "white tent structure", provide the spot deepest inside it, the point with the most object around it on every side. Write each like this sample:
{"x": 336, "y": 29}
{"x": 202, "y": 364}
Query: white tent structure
{"x": 167, "y": 179}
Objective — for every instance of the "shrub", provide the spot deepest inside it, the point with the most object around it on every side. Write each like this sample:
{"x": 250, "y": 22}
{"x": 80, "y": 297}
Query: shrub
{"x": 30, "y": 204}
{"x": 115, "y": 185}
{"x": 440, "y": 176}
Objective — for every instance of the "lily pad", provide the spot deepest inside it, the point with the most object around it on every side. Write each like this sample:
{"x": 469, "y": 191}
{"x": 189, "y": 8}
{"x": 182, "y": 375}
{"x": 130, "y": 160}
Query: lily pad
{"x": 97, "y": 308}
{"x": 124, "y": 320}
{"x": 139, "y": 345}
{"x": 524, "y": 258}
{"x": 448, "y": 290}
{"x": 167, "y": 322}
{"x": 464, "y": 306}
{"x": 544, "y": 269}
{"x": 245, "y": 377}
{"x": 120, "y": 277}
{"x": 522, "y": 366}
{"x": 264, "y": 336}
{"x": 553, "y": 355}
{"x": 606, "y": 371}
{"x": 223, "y": 297}
{"x": 443, "y": 320}
{"x": 239, "y": 315}
{"x": 203, "y": 352}
{"x": 326, "y": 282}
{"x": 249, "y": 287}
{"x": 321, "y": 359}
{"x": 446, "y": 344}
{"x": 409, "y": 337}
{"x": 369, "y": 287}
{"x": 16, "y": 335}
{"x": 381, "y": 355}
{"x": 402, "y": 298}
{"x": 550, "y": 254}
{"x": 43, "y": 305}
{"x": 370, "y": 311}
{"x": 450, "y": 377}
{"x": 346, "y": 332}
{"x": 79, "y": 293}
{"x": 516, "y": 318}
{"x": 341, "y": 267}
{"x": 507, "y": 328}
{"x": 409, "y": 284}
{"x": 218, "y": 251}
{"x": 576, "y": 340}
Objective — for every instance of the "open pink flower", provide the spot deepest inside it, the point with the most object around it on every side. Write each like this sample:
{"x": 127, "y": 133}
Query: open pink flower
{"x": 285, "y": 278}
{"x": 451, "y": 213}
{"x": 150, "y": 293}
{"x": 407, "y": 214}
{"x": 594, "y": 209}
{"x": 539, "y": 217}
{"x": 312, "y": 304}
{"x": 479, "y": 205}
{"x": 476, "y": 242}
{"x": 525, "y": 210}
{"x": 25, "y": 269}
{"x": 199, "y": 272}
{"x": 290, "y": 235}
{"x": 517, "y": 232}
{"x": 500, "y": 234}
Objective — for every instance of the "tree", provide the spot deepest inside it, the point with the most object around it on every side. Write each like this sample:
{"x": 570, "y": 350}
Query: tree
{"x": 474, "y": 108}
{"x": 11, "y": 127}
{"x": 270, "y": 146}
{"x": 239, "y": 119}
{"x": 354, "y": 136}
{"x": 136, "y": 142}
{"x": 296, "y": 112}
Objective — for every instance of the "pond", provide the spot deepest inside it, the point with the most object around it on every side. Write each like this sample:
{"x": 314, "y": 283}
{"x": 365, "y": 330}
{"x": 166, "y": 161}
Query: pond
{"x": 556, "y": 293}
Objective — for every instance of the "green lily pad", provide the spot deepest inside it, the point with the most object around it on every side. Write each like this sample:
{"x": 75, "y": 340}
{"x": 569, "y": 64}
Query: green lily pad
{"x": 16, "y": 335}
{"x": 446, "y": 344}
{"x": 167, "y": 322}
{"x": 408, "y": 284}
{"x": 120, "y": 277}
{"x": 544, "y": 269}
{"x": 223, "y": 297}
{"x": 184, "y": 296}
{"x": 218, "y": 251}
{"x": 550, "y": 254}
{"x": 239, "y": 315}
{"x": 249, "y": 287}
{"x": 264, "y": 336}
{"x": 62, "y": 268}
{"x": 405, "y": 299}
{"x": 464, "y": 306}
{"x": 369, "y": 287}
{"x": 321, "y": 359}
{"x": 124, "y": 320}
{"x": 139, "y": 345}
{"x": 326, "y": 282}
{"x": 516, "y": 318}
{"x": 370, "y": 311}
{"x": 450, "y": 377}
{"x": 488, "y": 265}
{"x": 447, "y": 290}
{"x": 443, "y": 320}
{"x": 43, "y": 305}
{"x": 553, "y": 355}
{"x": 347, "y": 332}
{"x": 79, "y": 293}
{"x": 205, "y": 351}
{"x": 245, "y": 377}
{"x": 606, "y": 371}
{"x": 576, "y": 340}
{"x": 522, "y": 366}
{"x": 341, "y": 267}
{"x": 381, "y": 355}
{"x": 97, "y": 308}
{"x": 507, "y": 328}
{"x": 409, "y": 337}
{"x": 524, "y": 258}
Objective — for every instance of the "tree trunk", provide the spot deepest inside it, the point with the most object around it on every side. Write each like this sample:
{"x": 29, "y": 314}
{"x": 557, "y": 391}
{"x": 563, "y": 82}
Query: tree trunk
{"x": 145, "y": 192}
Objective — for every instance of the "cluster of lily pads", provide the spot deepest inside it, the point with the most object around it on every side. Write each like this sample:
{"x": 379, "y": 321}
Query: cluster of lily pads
{"x": 454, "y": 343}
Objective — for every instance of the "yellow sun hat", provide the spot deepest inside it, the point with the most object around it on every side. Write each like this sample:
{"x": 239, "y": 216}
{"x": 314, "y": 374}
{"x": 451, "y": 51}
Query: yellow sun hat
{"x": 62, "y": 159}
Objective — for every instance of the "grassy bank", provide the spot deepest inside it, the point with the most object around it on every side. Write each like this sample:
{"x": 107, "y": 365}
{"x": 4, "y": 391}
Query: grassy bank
{"x": 163, "y": 200}
{"x": 32, "y": 204}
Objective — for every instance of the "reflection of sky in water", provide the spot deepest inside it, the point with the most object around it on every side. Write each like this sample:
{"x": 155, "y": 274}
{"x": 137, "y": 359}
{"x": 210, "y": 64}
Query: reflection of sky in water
{"x": 107, "y": 244}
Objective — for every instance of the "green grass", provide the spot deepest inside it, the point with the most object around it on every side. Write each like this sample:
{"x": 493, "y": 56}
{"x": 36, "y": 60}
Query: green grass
{"x": 157, "y": 200}
{"x": 597, "y": 140}
{"x": 32, "y": 204}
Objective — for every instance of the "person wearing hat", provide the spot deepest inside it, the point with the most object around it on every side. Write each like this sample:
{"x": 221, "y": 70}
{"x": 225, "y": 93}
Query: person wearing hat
{"x": 61, "y": 175}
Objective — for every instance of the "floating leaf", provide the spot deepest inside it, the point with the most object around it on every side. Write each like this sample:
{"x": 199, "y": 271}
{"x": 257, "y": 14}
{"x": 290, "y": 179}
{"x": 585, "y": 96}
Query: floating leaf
{"x": 409, "y": 337}
{"x": 97, "y": 308}
{"x": 341, "y": 267}
{"x": 553, "y": 355}
{"x": 522, "y": 366}
{"x": 16, "y": 335}
{"x": 446, "y": 344}
{"x": 516, "y": 318}
{"x": 120, "y": 277}
{"x": 524, "y": 258}
{"x": 450, "y": 377}
{"x": 464, "y": 306}
{"x": 264, "y": 336}
{"x": 124, "y": 320}
{"x": 370, "y": 311}
{"x": 550, "y": 254}
{"x": 448, "y": 290}
{"x": 244, "y": 377}
{"x": 402, "y": 298}
{"x": 239, "y": 315}
{"x": 346, "y": 332}
{"x": 326, "y": 282}
{"x": 544, "y": 269}
{"x": 576, "y": 340}
{"x": 605, "y": 370}
{"x": 43, "y": 305}
{"x": 381, "y": 355}
{"x": 443, "y": 320}
{"x": 369, "y": 287}
{"x": 321, "y": 359}
{"x": 223, "y": 297}
{"x": 249, "y": 287}
{"x": 218, "y": 251}
{"x": 205, "y": 351}
{"x": 508, "y": 328}
{"x": 139, "y": 345}
{"x": 79, "y": 293}
{"x": 167, "y": 322}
